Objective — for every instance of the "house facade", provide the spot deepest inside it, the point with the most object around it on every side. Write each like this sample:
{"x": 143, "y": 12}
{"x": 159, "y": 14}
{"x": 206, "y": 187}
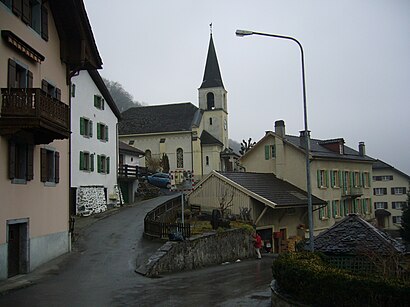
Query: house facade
{"x": 41, "y": 47}
{"x": 339, "y": 175}
{"x": 94, "y": 143}
{"x": 194, "y": 138}
{"x": 390, "y": 188}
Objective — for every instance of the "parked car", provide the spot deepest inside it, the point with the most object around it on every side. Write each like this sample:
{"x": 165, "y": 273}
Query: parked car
{"x": 160, "y": 180}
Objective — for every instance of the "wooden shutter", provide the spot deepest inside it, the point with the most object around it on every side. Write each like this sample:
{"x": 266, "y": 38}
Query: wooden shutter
{"x": 95, "y": 101}
{"x": 26, "y": 12}
{"x": 16, "y": 7}
{"x": 44, "y": 86}
{"x": 81, "y": 160}
{"x": 44, "y": 23}
{"x": 90, "y": 128}
{"x": 29, "y": 79}
{"x": 106, "y": 132}
{"x": 266, "y": 152}
{"x": 99, "y": 131}
{"x": 12, "y": 160}
{"x": 82, "y": 126}
{"x": 11, "y": 76}
{"x": 92, "y": 162}
{"x": 30, "y": 168}
{"x": 58, "y": 94}
{"x": 57, "y": 166}
{"x": 43, "y": 165}
{"x": 107, "y": 162}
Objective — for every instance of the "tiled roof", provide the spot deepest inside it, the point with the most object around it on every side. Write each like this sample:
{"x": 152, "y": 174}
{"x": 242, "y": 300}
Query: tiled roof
{"x": 352, "y": 236}
{"x": 380, "y": 165}
{"x": 271, "y": 188}
{"x": 159, "y": 119}
{"x": 208, "y": 139}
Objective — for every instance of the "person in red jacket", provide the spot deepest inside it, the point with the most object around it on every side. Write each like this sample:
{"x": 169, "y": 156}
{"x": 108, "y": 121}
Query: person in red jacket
{"x": 257, "y": 243}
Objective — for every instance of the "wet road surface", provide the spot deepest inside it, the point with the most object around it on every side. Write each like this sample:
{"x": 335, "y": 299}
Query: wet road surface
{"x": 100, "y": 272}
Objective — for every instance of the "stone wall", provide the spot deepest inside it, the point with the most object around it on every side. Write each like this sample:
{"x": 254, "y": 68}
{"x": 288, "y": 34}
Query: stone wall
{"x": 90, "y": 199}
{"x": 196, "y": 252}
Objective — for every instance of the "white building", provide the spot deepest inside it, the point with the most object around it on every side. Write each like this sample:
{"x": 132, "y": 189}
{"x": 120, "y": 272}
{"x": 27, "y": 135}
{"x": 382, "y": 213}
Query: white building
{"x": 94, "y": 149}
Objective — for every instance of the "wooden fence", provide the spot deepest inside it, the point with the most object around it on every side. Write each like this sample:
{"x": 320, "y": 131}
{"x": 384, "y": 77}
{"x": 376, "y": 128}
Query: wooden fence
{"x": 155, "y": 225}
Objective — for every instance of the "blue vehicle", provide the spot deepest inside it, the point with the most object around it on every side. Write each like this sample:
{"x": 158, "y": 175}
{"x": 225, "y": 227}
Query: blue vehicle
{"x": 160, "y": 180}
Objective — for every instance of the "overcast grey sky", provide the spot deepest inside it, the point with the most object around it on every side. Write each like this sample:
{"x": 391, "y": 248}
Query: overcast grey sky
{"x": 357, "y": 59}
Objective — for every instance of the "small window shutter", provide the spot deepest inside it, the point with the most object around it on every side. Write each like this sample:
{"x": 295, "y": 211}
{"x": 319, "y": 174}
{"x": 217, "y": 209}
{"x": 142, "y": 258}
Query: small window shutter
{"x": 326, "y": 178}
{"x": 81, "y": 160}
{"x": 43, "y": 165}
{"x": 44, "y": 23}
{"x": 342, "y": 208}
{"x": 351, "y": 179}
{"x": 90, "y": 128}
{"x": 92, "y": 162}
{"x": 82, "y": 126}
{"x": 11, "y": 77}
{"x": 17, "y": 7}
{"x": 334, "y": 204}
{"x": 102, "y": 103}
{"x": 332, "y": 179}
{"x": 98, "y": 163}
{"x": 355, "y": 206}
{"x": 106, "y": 133}
{"x": 95, "y": 100}
{"x": 26, "y": 11}
{"x": 58, "y": 94}
{"x": 108, "y": 164}
{"x": 12, "y": 160}
{"x": 321, "y": 213}
{"x": 341, "y": 183}
{"x": 30, "y": 168}
{"x": 266, "y": 152}
{"x": 57, "y": 166}
{"x": 29, "y": 79}
{"x": 44, "y": 86}
{"x": 329, "y": 209}
{"x": 98, "y": 131}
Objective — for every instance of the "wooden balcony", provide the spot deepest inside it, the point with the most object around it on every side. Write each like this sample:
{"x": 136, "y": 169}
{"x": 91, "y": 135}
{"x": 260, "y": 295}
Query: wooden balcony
{"x": 32, "y": 111}
{"x": 131, "y": 172}
{"x": 352, "y": 192}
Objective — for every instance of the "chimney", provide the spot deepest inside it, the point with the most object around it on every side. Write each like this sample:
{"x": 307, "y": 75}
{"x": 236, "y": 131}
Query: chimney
{"x": 362, "y": 149}
{"x": 302, "y": 138}
{"x": 280, "y": 128}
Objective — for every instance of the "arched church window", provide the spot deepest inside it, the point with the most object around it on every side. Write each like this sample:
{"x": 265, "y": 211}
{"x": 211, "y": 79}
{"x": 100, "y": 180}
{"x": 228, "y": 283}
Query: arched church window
{"x": 210, "y": 101}
{"x": 180, "y": 158}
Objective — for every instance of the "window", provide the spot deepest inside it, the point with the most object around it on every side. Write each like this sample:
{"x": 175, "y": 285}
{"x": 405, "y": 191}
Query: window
{"x": 18, "y": 76}
{"x": 86, "y": 161}
{"x": 380, "y": 205}
{"x": 397, "y": 219}
{"x": 50, "y": 165}
{"x": 380, "y": 191}
{"x": 210, "y": 101}
{"x": 322, "y": 178}
{"x": 356, "y": 179}
{"x": 98, "y": 102}
{"x": 336, "y": 209}
{"x": 399, "y": 205}
{"x": 365, "y": 203}
{"x": 180, "y": 158}
{"x": 207, "y": 160}
{"x": 103, "y": 164}
{"x": 346, "y": 179}
{"x": 383, "y": 178}
{"x": 102, "y": 132}
{"x": 398, "y": 191}
{"x": 270, "y": 152}
{"x": 335, "y": 178}
{"x": 20, "y": 162}
{"x": 51, "y": 89}
{"x": 324, "y": 211}
{"x": 366, "y": 179}
{"x": 86, "y": 127}
{"x": 210, "y": 121}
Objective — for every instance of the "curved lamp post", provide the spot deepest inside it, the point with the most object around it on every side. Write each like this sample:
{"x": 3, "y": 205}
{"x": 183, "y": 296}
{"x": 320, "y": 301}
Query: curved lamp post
{"x": 242, "y": 33}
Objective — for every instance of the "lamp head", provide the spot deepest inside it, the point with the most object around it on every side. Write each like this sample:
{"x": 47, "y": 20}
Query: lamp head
{"x": 242, "y": 33}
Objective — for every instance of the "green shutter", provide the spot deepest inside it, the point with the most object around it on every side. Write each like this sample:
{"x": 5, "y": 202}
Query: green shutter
{"x": 98, "y": 163}
{"x": 90, "y": 128}
{"x": 361, "y": 177}
{"x": 329, "y": 209}
{"x": 342, "y": 207}
{"x": 355, "y": 206}
{"x": 95, "y": 101}
{"x": 332, "y": 178}
{"x": 341, "y": 184}
{"x": 107, "y": 162}
{"x": 81, "y": 160}
{"x": 326, "y": 178}
{"x": 321, "y": 213}
{"x": 99, "y": 131}
{"x": 82, "y": 126}
{"x": 106, "y": 133}
{"x": 351, "y": 179}
{"x": 346, "y": 208}
{"x": 266, "y": 152}
{"x": 92, "y": 162}
{"x": 334, "y": 204}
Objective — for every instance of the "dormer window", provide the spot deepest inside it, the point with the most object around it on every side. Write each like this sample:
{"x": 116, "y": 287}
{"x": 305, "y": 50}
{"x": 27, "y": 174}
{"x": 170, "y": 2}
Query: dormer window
{"x": 210, "y": 101}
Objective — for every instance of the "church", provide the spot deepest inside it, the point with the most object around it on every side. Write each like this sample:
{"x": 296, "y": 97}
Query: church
{"x": 195, "y": 139}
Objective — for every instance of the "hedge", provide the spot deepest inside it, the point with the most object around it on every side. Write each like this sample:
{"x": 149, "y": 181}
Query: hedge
{"x": 308, "y": 279}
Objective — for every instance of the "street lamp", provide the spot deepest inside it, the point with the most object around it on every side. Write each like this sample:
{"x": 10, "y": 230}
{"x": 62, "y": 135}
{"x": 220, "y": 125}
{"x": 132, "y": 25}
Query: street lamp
{"x": 242, "y": 33}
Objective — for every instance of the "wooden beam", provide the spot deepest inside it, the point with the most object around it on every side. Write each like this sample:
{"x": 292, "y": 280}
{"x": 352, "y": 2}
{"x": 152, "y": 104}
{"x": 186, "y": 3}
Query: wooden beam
{"x": 261, "y": 215}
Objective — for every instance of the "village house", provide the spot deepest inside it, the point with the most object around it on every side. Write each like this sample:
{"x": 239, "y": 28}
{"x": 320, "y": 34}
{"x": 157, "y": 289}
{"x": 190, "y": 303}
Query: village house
{"x": 390, "y": 188}
{"x": 340, "y": 175}
{"x": 194, "y": 139}
{"x": 43, "y": 44}
{"x": 94, "y": 145}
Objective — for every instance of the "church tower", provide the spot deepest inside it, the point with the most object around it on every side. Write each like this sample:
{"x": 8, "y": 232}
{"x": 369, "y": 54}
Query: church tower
{"x": 213, "y": 98}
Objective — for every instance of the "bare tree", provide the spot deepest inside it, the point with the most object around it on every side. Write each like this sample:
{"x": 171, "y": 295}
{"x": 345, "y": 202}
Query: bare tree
{"x": 246, "y": 146}
{"x": 153, "y": 164}
{"x": 225, "y": 200}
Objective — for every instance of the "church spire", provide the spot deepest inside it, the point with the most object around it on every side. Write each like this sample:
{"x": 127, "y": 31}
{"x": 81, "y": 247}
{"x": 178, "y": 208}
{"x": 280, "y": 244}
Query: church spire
{"x": 212, "y": 74}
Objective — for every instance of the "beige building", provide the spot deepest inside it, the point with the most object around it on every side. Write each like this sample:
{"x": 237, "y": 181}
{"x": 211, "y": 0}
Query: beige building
{"x": 339, "y": 175}
{"x": 390, "y": 188}
{"x": 43, "y": 43}
{"x": 194, "y": 139}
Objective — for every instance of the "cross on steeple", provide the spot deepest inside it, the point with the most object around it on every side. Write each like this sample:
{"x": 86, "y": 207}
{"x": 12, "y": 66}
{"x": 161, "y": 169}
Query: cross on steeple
{"x": 210, "y": 28}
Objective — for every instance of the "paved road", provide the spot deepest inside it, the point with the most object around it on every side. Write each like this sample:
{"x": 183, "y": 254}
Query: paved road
{"x": 100, "y": 272}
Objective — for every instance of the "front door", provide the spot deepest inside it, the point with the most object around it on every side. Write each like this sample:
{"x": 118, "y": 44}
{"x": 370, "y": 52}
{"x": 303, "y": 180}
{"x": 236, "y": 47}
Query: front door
{"x": 14, "y": 250}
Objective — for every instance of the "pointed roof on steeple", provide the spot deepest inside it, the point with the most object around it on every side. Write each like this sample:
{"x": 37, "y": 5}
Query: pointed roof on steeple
{"x": 212, "y": 75}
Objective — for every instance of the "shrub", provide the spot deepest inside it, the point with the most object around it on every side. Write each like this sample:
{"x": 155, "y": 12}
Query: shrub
{"x": 308, "y": 279}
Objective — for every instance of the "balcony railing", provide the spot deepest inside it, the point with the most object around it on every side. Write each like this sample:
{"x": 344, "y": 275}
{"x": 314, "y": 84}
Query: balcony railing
{"x": 33, "y": 109}
{"x": 131, "y": 171}
{"x": 352, "y": 191}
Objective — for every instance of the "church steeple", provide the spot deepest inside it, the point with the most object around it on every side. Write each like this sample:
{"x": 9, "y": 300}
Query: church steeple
{"x": 212, "y": 74}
